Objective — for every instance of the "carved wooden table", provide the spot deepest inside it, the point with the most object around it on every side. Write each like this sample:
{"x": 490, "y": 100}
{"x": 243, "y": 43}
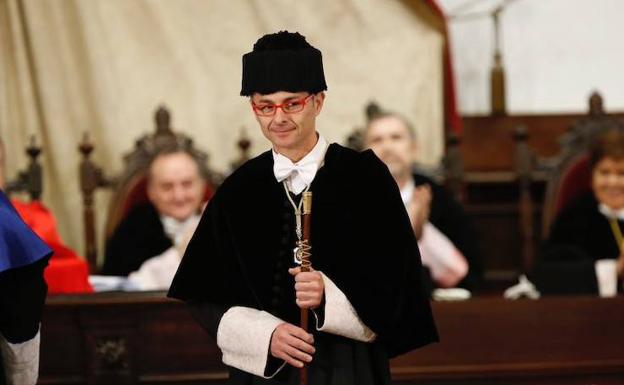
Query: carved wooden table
{"x": 143, "y": 338}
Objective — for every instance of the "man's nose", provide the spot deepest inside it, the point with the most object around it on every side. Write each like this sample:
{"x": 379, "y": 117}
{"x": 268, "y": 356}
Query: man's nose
{"x": 384, "y": 146}
{"x": 612, "y": 179}
{"x": 280, "y": 116}
{"x": 178, "y": 193}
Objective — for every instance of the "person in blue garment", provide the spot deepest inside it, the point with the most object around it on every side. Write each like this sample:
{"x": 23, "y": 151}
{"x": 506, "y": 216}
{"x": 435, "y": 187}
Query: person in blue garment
{"x": 23, "y": 257}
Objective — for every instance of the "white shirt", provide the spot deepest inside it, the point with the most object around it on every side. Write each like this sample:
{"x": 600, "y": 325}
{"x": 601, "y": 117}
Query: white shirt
{"x": 157, "y": 272}
{"x": 611, "y": 213}
{"x": 299, "y": 175}
{"x": 447, "y": 264}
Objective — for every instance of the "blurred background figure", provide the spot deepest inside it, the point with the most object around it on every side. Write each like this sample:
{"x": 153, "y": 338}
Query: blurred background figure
{"x": 445, "y": 236}
{"x": 587, "y": 234}
{"x": 149, "y": 242}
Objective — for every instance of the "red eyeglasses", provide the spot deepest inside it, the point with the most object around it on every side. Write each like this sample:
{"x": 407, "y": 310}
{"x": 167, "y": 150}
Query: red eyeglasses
{"x": 289, "y": 107}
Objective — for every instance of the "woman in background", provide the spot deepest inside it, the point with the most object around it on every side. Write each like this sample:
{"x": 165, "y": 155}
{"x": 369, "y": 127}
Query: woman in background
{"x": 590, "y": 228}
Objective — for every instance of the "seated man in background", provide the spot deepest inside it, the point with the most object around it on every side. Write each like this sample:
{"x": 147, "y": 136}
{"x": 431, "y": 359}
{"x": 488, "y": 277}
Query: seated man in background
{"x": 588, "y": 231}
{"x": 445, "y": 237}
{"x": 149, "y": 242}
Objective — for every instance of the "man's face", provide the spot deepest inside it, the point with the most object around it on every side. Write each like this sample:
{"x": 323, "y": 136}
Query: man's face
{"x": 391, "y": 141}
{"x": 175, "y": 186}
{"x": 608, "y": 182}
{"x": 294, "y": 131}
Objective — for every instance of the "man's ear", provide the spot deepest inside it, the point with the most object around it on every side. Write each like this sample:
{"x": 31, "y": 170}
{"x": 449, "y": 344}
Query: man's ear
{"x": 149, "y": 189}
{"x": 318, "y": 102}
{"x": 414, "y": 151}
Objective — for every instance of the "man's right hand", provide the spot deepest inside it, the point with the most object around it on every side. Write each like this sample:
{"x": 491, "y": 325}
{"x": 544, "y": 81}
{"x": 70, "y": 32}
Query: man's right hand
{"x": 292, "y": 344}
{"x": 419, "y": 208}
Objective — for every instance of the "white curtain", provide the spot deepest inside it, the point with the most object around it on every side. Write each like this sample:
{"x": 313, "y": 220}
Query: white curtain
{"x": 102, "y": 67}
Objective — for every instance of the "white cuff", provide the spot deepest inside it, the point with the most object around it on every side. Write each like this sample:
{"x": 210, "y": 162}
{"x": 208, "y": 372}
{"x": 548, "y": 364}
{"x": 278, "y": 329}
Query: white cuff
{"x": 340, "y": 316}
{"x": 447, "y": 264}
{"x": 244, "y": 337}
{"x": 21, "y": 361}
{"x": 157, "y": 272}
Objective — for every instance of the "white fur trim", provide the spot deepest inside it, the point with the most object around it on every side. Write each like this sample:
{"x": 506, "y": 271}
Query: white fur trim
{"x": 244, "y": 337}
{"x": 21, "y": 361}
{"x": 340, "y": 316}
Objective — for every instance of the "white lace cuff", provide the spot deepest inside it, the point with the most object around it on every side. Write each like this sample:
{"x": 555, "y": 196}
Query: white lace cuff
{"x": 21, "y": 361}
{"x": 244, "y": 337}
{"x": 340, "y": 316}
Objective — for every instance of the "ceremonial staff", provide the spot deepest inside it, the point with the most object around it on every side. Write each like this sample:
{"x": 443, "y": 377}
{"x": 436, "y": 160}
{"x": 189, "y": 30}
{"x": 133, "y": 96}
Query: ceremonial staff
{"x": 306, "y": 265}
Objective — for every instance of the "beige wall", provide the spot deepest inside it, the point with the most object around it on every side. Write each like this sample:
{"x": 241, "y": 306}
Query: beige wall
{"x": 74, "y": 66}
{"x": 555, "y": 53}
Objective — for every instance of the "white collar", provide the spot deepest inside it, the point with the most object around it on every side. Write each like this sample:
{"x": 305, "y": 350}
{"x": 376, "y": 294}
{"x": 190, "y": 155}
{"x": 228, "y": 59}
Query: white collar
{"x": 173, "y": 228}
{"x": 407, "y": 191}
{"x": 611, "y": 213}
{"x": 300, "y": 175}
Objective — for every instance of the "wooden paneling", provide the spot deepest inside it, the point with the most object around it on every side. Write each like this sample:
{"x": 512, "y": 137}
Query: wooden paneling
{"x": 143, "y": 338}
{"x": 487, "y": 141}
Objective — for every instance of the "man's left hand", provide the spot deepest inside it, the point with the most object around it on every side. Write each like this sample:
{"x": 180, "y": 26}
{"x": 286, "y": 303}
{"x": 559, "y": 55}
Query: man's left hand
{"x": 309, "y": 288}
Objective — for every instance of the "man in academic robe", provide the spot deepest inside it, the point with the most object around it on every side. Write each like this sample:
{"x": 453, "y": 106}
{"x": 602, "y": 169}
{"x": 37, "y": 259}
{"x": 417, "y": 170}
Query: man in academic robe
{"x": 147, "y": 242}
{"x": 23, "y": 257}
{"x": 239, "y": 273}
{"x": 445, "y": 235}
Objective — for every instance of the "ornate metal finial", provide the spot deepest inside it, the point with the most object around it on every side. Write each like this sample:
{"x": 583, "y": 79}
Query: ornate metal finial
{"x": 596, "y": 107}
{"x": 243, "y": 144}
{"x": 163, "y": 121}
{"x": 373, "y": 110}
{"x": 33, "y": 150}
{"x": 85, "y": 147}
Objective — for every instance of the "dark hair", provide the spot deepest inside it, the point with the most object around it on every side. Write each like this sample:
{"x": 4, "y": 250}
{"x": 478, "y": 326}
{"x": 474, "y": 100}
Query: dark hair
{"x": 171, "y": 150}
{"x": 609, "y": 144}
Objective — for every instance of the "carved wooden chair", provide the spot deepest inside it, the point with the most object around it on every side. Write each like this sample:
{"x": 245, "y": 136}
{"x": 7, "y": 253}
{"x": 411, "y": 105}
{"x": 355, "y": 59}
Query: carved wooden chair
{"x": 29, "y": 180}
{"x": 130, "y": 186}
{"x": 567, "y": 175}
{"x": 450, "y": 172}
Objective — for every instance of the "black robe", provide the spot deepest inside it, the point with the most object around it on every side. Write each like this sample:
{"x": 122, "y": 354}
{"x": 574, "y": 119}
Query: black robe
{"x": 23, "y": 257}
{"x": 579, "y": 236}
{"x": 138, "y": 237}
{"x": 361, "y": 239}
{"x": 448, "y": 216}
{"x": 22, "y": 295}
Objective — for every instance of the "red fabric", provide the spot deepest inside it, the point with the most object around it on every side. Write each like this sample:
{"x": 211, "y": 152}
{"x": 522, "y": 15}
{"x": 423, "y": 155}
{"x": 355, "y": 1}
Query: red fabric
{"x": 575, "y": 181}
{"x": 452, "y": 117}
{"x": 67, "y": 272}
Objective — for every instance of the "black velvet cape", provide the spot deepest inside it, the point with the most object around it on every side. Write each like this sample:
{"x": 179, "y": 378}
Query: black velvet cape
{"x": 448, "y": 216}
{"x": 138, "y": 237}
{"x": 361, "y": 239}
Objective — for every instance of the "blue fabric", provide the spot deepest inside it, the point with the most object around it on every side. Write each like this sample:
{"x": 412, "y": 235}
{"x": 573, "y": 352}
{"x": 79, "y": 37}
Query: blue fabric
{"x": 19, "y": 245}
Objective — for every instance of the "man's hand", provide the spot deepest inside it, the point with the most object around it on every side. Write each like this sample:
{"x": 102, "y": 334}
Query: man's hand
{"x": 419, "y": 208}
{"x": 292, "y": 344}
{"x": 309, "y": 288}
